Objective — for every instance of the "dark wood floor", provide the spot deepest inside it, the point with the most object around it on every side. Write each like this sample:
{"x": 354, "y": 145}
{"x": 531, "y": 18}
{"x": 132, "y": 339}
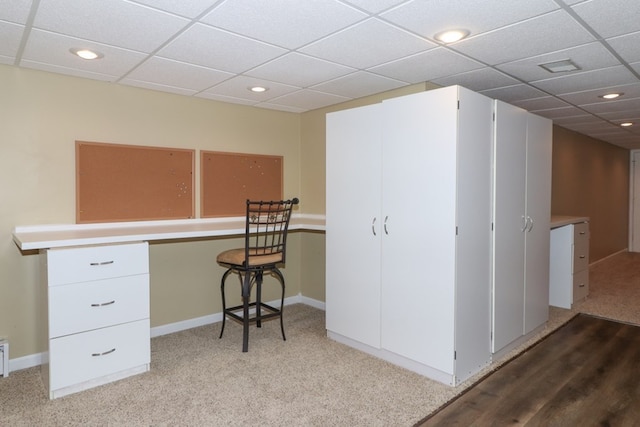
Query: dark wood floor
{"x": 587, "y": 373}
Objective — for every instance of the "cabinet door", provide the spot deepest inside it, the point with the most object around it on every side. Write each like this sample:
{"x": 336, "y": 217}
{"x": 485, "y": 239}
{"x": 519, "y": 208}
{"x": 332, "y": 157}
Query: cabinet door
{"x": 418, "y": 243}
{"x": 353, "y": 224}
{"x": 538, "y": 208}
{"x": 509, "y": 224}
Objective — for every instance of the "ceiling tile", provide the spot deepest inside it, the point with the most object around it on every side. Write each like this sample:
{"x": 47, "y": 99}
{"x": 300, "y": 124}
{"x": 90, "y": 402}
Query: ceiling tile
{"x": 110, "y": 22}
{"x": 16, "y": 11}
{"x": 430, "y": 17}
{"x": 299, "y": 70}
{"x": 556, "y": 113}
{"x": 177, "y": 74}
{"x": 375, "y": 6}
{"x": 53, "y": 49}
{"x": 478, "y": 80}
{"x": 590, "y": 56}
{"x": 359, "y": 84}
{"x": 307, "y": 99}
{"x": 222, "y": 98}
{"x": 158, "y": 87}
{"x": 367, "y": 44}
{"x": 591, "y": 96}
{"x": 285, "y": 23}
{"x": 622, "y": 106}
{"x": 10, "y": 35}
{"x": 627, "y": 46}
{"x": 602, "y": 78}
{"x": 514, "y": 93}
{"x": 238, "y": 87}
{"x": 426, "y": 66}
{"x": 189, "y": 9}
{"x": 218, "y": 49}
{"x": 507, "y": 44}
{"x": 599, "y": 14}
{"x": 75, "y": 72}
{"x": 544, "y": 103}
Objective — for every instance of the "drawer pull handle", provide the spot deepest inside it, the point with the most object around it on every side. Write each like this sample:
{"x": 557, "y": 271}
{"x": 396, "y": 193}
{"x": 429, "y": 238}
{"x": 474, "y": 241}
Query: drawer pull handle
{"x": 581, "y": 285}
{"x": 583, "y": 232}
{"x": 582, "y": 256}
{"x": 101, "y": 263}
{"x": 103, "y": 354}
{"x": 104, "y": 303}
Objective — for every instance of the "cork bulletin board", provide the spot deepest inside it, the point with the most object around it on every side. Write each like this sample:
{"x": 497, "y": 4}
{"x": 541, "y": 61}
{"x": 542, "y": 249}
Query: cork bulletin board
{"x": 117, "y": 182}
{"x": 229, "y": 179}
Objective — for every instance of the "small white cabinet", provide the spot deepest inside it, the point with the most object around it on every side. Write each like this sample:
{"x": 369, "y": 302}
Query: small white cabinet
{"x": 97, "y": 318}
{"x": 569, "y": 260}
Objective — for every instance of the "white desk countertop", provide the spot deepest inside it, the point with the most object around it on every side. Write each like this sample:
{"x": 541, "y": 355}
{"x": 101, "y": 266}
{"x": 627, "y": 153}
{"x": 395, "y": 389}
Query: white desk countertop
{"x": 64, "y": 235}
{"x": 562, "y": 220}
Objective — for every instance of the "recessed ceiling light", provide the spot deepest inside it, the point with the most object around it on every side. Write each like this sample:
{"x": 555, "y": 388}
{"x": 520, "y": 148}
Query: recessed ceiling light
{"x": 86, "y": 53}
{"x": 451, "y": 36}
{"x": 258, "y": 89}
{"x": 611, "y": 95}
{"x": 626, "y": 124}
{"x": 560, "y": 66}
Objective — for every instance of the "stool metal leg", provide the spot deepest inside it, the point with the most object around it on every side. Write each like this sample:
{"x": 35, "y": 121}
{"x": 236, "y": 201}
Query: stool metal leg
{"x": 246, "y": 294}
{"x": 281, "y": 278}
{"x": 224, "y": 303}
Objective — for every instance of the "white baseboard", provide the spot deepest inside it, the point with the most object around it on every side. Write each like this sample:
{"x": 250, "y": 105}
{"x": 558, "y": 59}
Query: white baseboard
{"x": 32, "y": 360}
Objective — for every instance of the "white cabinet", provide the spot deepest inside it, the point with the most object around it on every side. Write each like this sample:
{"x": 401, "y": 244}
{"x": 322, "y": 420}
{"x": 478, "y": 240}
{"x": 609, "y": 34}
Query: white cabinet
{"x": 569, "y": 274}
{"x": 408, "y": 230}
{"x": 521, "y": 216}
{"x": 97, "y": 315}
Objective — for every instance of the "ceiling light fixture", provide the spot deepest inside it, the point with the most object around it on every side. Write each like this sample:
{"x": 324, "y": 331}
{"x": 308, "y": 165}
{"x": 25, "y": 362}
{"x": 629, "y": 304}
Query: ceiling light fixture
{"x": 611, "y": 95}
{"x": 563, "y": 66}
{"x": 86, "y": 53}
{"x": 258, "y": 89}
{"x": 626, "y": 124}
{"x": 451, "y": 36}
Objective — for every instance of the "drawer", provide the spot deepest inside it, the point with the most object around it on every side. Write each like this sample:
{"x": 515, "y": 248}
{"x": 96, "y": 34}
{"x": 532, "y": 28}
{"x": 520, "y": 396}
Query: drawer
{"x": 580, "y": 247}
{"x": 82, "y": 264}
{"x": 84, "y": 306}
{"x": 81, "y": 357}
{"x": 580, "y": 285}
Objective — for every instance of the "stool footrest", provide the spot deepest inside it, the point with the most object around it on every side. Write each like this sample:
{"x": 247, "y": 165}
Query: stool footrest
{"x": 273, "y": 313}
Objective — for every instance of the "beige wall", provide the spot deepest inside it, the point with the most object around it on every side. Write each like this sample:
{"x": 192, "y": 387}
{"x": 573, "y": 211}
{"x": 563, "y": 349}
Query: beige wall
{"x": 41, "y": 116}
{"x": 591, "y": 178}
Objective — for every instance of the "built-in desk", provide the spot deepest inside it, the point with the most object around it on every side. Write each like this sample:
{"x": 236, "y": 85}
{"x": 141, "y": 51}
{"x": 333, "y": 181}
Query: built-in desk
{"x": 569, "y": 260}
{"x": 96, "y": 278}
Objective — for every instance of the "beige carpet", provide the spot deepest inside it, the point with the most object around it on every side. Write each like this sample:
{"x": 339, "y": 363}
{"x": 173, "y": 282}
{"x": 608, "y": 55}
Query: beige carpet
{"x": 198, "y": 380}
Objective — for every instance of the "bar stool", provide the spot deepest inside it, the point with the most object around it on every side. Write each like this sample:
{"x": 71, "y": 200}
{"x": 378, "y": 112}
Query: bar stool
{"x": 267, "y": 224}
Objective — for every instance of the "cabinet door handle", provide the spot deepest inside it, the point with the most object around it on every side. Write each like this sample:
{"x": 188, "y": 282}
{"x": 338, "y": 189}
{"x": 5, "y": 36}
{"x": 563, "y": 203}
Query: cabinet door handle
{"x": 101, "y": 263}
{"x": 530, "y": 224}
{"x": 525, "y": 223}
{"x": 103, "y": 353}
{"x": 385, "y": 225}
{"x": 373, "y": 226}
{"x": 103, "y": 304}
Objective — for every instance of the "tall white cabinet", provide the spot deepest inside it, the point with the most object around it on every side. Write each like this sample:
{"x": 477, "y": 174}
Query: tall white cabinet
{"x": 408, "y": 231}
{"x": 522, "y": 206}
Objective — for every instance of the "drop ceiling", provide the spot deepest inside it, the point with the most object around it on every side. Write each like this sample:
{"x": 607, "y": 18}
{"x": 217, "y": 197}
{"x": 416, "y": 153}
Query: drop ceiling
{"x": 315, "y": 53}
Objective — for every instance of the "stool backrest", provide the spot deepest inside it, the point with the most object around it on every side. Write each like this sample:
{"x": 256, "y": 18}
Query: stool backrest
{"x": 267, "y": 225}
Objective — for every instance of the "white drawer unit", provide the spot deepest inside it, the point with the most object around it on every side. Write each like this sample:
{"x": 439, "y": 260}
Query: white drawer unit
{"x": 97, "y": 315}
{"x": 569, "y": 264}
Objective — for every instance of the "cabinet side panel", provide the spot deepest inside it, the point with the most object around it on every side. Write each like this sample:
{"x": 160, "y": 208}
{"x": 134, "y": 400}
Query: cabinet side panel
{"x": 473, "y": 242}
{"x": 352, "y": 217}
